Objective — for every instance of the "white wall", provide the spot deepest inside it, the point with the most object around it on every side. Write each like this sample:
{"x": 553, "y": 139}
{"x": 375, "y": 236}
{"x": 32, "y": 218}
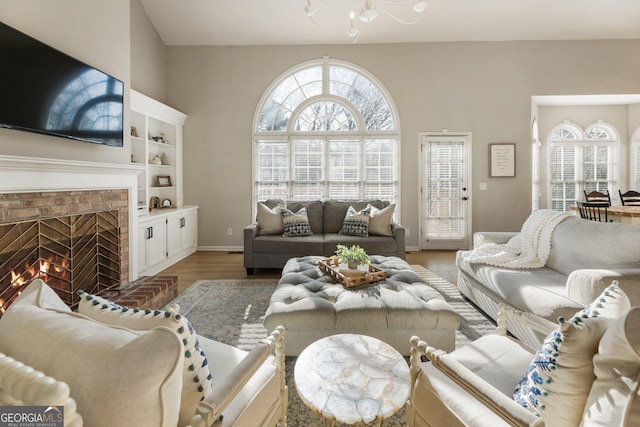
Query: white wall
{"x": 483, "y": 88}
{"x": 148, "y": 55}
{"x": 95, "y": 32}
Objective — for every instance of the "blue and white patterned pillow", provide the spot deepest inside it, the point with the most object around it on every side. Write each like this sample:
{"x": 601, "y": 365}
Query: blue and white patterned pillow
{"x": 558, "y": 380}
{"x": 295, "y": 224}
{"x": 356, "y": 223}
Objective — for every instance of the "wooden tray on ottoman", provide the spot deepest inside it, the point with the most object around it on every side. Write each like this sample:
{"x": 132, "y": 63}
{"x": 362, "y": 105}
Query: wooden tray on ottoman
{"x": 331, "y": 267}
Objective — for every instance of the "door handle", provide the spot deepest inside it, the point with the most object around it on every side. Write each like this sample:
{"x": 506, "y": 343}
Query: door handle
{"x": 465, "y": 198}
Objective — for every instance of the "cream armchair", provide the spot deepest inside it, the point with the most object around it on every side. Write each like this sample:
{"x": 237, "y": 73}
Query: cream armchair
{"x": 253, "y": 392}
{"x": 586, "y": 372}
{"x": 473, "y": 385}
{"x": 130, "y": 367}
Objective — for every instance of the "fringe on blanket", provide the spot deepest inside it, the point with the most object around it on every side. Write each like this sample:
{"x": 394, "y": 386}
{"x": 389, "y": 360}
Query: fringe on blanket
{"x": 528, "y": 249}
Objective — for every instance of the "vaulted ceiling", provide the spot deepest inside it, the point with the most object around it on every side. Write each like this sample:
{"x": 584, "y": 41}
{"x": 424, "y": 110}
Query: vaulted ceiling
{"x": 284, "y": 22}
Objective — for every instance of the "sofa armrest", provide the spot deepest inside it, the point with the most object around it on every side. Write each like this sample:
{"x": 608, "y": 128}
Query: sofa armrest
{"x": 250, "y": 233}
{"x": 500, "y": 237}
{"x": 586, "y": 284}
{"x": 224, "y": 392}
{"x": 22, "y": 385}
{"x": 500, "y": 404}
{"x": 399, "y": 234}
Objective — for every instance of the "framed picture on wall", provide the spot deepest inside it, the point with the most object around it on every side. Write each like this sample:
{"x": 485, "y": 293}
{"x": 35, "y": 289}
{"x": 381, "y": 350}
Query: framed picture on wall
{"x": 502, "y": 159}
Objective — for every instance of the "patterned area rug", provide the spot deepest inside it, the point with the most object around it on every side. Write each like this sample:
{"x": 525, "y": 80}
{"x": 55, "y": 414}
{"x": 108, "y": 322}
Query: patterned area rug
{"x": 231, "y": 311}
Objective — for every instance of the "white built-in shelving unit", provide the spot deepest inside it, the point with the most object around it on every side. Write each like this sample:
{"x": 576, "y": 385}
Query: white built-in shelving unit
{"x": 167, "y": 230}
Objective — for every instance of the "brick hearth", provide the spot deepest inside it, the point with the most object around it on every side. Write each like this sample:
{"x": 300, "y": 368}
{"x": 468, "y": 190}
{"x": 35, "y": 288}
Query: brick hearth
{"x": 146, "y": 292}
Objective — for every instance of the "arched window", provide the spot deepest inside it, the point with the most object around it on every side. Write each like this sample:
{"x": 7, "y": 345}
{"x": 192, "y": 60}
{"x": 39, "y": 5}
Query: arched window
{"x": 581, "y": 161}
{"x": 326, "y": 130}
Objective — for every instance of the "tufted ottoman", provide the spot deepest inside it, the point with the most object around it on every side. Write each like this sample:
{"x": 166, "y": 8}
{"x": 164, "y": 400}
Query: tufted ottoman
{"x": 312, "y": 305}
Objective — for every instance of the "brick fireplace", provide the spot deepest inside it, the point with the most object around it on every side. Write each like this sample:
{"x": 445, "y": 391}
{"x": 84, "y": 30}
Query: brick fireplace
{"x": 46, "y": 199}
{"x": 74, "y": 240}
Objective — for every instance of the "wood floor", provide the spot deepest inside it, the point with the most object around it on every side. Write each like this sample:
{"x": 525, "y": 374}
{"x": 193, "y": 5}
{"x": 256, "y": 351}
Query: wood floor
{"x": 229, "y": 265}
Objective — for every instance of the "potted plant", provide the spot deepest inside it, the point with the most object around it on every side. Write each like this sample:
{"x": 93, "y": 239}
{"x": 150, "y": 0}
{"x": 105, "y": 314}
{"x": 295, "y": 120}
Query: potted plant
{"x": 352, "y": 256}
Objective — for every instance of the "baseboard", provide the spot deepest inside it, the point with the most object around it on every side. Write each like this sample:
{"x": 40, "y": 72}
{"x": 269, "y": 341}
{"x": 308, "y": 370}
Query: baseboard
{"x": 412, "y": 249}
{"x": 221, "y": 248}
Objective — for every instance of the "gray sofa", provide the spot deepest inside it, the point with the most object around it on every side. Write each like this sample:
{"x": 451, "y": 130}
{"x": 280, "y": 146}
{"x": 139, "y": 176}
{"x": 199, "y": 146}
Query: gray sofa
{"x": 325, "y": 218}
{"x": 585, "y": 257}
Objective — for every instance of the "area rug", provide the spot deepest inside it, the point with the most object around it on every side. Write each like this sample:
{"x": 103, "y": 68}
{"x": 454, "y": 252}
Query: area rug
{"x": 232, "y": 311}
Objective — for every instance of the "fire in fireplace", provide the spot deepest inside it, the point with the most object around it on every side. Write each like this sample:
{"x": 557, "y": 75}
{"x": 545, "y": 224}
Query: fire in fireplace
{"x": 70, "y": 253}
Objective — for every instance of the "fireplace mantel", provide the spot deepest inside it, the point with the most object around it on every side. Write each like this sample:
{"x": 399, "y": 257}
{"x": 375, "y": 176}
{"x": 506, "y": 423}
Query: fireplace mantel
{"x": 18, "y": 174}
{"x": 32, "y": 174}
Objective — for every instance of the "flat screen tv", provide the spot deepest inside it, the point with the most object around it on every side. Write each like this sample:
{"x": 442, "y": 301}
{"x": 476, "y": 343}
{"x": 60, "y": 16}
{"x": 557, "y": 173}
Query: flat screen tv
{"x": 46, "y": 91}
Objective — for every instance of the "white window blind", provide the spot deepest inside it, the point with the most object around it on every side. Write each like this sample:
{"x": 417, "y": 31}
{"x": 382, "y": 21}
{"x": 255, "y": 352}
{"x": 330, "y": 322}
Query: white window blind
{"x": 445, "y": 209}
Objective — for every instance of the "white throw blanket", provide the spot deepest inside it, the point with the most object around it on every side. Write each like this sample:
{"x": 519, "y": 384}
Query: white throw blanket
{"x": 528, "y": 249}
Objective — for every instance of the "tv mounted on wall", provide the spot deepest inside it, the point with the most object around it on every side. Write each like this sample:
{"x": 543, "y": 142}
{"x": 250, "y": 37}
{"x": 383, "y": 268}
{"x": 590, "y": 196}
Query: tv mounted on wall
{"x": 46, "y": 91}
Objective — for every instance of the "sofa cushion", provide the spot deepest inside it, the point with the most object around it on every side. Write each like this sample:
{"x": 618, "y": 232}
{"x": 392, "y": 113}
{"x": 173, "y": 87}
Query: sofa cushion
{"x": 380, "y": 222}
{"x": 577, "y": 244}
{"x": 614, "y": 400}
{"x": 117, "y": 376}
{"x": 300, "y": 245}
{"x": 540, "y": 291}
{"x": 559, "y": 378}
{"x": 295, "y": 224}
{"x": 356, "y": 223}
{"x": 270, "y": 219}
{"x": 196, "y": 377}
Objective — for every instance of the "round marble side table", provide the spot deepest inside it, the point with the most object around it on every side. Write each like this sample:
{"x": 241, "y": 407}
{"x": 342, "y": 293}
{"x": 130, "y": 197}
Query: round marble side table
{"x": 352, "y": 378}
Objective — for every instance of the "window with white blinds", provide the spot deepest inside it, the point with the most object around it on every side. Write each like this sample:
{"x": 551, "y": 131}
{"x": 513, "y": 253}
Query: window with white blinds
{"x": 581, "y": 161}
{"x": 326, "y": 130}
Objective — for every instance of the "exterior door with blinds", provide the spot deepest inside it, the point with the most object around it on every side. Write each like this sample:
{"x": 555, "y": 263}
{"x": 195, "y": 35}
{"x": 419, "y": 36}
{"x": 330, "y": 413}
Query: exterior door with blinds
{"x": 445, "y": 191}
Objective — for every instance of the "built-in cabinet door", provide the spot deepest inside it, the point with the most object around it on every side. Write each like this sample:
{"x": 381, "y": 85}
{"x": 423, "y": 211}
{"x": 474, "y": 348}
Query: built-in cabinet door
{"x": 141, "y": 237}
{"x": 174, "y": 234}
{"x": 151, "y": 237}
{"x": 180, "y": 232}
{"x": 189, "y": 230}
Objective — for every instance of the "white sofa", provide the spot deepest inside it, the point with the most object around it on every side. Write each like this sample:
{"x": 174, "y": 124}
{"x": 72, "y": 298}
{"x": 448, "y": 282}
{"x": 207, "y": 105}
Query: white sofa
{"x": 584, "y": 257}
{"x": 128, "y": 367}
{"x": 593, "y": 382}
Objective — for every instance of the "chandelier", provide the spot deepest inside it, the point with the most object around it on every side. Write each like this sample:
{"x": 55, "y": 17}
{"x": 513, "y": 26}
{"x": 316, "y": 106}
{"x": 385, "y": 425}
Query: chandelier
{"x": 363, "y": 12}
